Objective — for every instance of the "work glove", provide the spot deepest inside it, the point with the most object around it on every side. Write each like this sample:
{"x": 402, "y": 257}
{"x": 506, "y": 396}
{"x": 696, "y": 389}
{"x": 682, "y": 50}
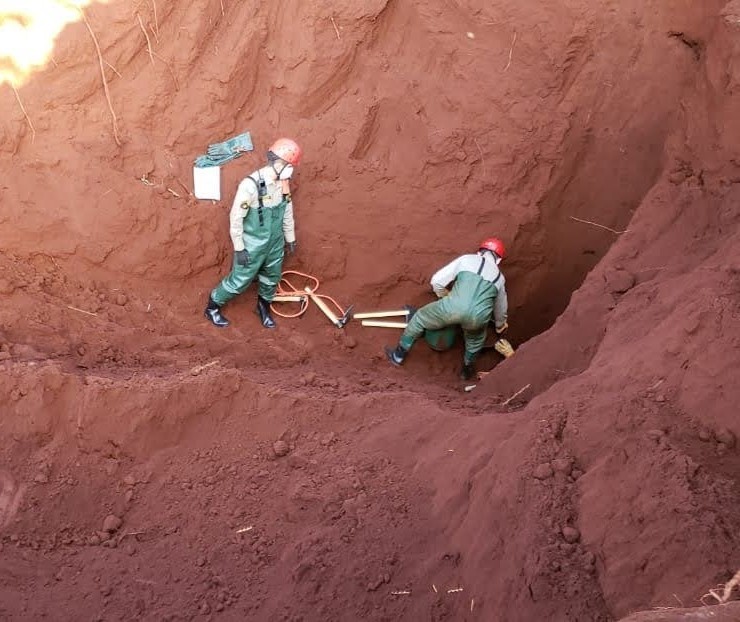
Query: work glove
{"x": 242, "y": 258}
{"x": 504, "y": 348}
{"x": 291, "y": 248}
{"x": 235, "y": 145}
{"x": 502, "y": 329}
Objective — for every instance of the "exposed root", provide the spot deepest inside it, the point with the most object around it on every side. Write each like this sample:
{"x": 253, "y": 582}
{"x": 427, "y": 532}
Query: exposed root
{"x": 482, "y": 159}
{"x": 146, "y": 36}
{"x": 114, "y": 69}
{"x": 102, "y": 75}
{"x": 156, "y": 25}
{"x": 726, "y": 590}
{"x": 25, "y": 114}
{"x": 153, "y": 54}
{"x": 172, "y": 73}
{"x": 177, "y": 179}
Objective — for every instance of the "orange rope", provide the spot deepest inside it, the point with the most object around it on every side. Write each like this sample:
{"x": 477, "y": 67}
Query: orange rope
{"x": 288, "y": 289}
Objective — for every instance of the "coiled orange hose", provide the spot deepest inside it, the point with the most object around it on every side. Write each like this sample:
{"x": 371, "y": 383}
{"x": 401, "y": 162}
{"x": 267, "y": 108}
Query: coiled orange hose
{"x": 286, "y": 288}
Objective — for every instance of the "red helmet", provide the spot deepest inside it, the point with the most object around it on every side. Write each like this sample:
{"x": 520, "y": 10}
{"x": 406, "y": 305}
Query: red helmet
{"x": 288, "y": 150}
{"x": 494, "y": 245}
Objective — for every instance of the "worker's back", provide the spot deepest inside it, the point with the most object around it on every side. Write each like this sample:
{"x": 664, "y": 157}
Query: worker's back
{"x": 478, "y": 282}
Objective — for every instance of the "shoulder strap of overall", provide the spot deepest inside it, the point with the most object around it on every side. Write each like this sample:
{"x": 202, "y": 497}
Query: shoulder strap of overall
{"x": 257, "y": 188}
{"x": 259, "y": 198}
{"x": 480, "y": 270}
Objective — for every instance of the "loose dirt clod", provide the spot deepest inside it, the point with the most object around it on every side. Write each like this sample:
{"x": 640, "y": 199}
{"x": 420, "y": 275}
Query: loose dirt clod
{"x": 726, "y": 437}
{"x": 112, "y": 523}
{"x": 280, "y": 449}
{"x": 543, "y": 471}
{"x": 562, "y": 465}
{"x": 571, "y": 534}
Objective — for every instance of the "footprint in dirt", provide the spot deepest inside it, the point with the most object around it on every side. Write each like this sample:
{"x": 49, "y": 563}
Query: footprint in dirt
{"x": 10, "y": 498}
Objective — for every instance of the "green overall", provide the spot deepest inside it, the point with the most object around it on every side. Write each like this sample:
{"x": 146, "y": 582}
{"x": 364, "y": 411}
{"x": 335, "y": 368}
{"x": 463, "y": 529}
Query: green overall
{"x": 469, "y": 304}
{"x": 265, "y": 244}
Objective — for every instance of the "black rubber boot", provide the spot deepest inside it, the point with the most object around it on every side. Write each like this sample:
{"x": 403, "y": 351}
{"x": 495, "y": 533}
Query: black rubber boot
{"x": 263, "y": 308}
{"x": 467, "y": 372}
{"x": 213, "y": 313}
{"x": 397, "y": 355}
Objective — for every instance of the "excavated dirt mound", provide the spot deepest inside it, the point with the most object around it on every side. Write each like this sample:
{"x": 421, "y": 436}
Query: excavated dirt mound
{"x": 153, "y": 467}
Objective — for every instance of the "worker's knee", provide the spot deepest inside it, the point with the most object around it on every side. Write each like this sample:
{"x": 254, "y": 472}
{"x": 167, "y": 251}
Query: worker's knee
{"x": 239, "y": 279}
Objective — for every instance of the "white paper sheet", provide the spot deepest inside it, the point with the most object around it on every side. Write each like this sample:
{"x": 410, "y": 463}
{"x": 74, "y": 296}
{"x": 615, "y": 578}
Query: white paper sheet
{"x": 207, "y": 182}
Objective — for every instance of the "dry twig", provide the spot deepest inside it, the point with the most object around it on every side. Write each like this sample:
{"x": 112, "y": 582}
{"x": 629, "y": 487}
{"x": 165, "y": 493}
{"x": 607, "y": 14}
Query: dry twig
{"x": 511, "y": 51}
{"x": 333, "y": 23}
{"x": 25, "y": 114}
{"x": 222, "y": 8}
{"x": 80, "y": 310}
{"x": 517, "y": 394}
{"x": 102, "y": 75}
{"x": 200, "y": 368}
{"x": 595, "y": 224}
{"x": 146, "y": 35}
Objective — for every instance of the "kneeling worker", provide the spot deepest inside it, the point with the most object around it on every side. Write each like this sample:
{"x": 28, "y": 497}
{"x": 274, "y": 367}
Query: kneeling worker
{"x": 479, "y": 291}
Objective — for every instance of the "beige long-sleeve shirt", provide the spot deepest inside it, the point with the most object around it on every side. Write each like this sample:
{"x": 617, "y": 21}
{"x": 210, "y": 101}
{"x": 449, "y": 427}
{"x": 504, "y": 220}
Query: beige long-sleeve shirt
{"x": 246, "y": 199}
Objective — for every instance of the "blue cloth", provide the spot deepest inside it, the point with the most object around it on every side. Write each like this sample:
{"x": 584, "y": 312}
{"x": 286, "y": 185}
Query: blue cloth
{"x": 220, "y": 153}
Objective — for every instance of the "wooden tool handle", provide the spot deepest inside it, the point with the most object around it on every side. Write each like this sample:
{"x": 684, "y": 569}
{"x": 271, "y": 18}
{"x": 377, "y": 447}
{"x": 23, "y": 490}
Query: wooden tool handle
{"x": 364, "y": 316}
{"x": 380, "y": 324}
{"x": 322, "y": 305}
{"x": 288, "y": 298}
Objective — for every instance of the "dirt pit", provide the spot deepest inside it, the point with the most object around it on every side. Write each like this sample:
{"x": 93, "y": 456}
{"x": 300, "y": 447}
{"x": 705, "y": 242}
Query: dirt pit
{"x": 153, "y": 467}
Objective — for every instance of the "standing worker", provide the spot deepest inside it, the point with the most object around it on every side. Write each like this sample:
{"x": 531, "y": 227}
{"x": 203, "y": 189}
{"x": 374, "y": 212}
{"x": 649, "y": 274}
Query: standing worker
{"x": 478, "y": 292}
{"x": 261, "y": 223}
